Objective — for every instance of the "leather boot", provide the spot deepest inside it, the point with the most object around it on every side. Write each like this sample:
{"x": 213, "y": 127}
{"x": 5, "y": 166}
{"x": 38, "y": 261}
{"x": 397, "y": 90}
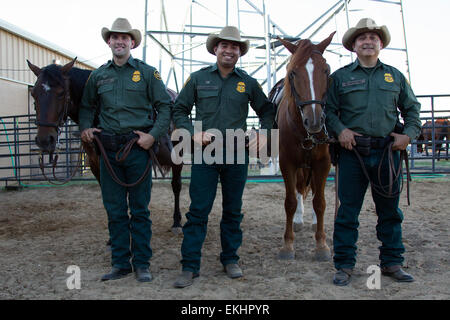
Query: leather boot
{"x": 116, "y": 273}
{"x": 185, "y": 279}
{"x": 397, "y": 273}
{"x": 342, "y": 277}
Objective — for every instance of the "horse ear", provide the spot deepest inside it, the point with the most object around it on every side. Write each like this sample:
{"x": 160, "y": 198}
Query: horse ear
{"x": 288, "y": 45}
{"x": 68, "y": 66}
{"x": 36, "y": 70}
{"x": 324, "y": 44}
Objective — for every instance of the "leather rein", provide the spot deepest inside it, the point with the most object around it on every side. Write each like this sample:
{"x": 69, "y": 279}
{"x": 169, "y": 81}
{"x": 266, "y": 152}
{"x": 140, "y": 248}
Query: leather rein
{"x": 386, "y": 191}
{"x": 121, "y": 155}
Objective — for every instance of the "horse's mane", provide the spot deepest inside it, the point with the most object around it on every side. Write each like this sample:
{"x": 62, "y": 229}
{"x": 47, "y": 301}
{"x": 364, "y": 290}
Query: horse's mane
{"x": 78, "y": 78}
{"x": 299, "y": 58}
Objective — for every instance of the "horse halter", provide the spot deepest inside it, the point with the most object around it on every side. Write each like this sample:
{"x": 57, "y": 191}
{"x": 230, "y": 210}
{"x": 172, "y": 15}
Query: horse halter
{"x": 63, "y": 114}
{"x": 310, "y": 138}
{"x": 298, "y": 101}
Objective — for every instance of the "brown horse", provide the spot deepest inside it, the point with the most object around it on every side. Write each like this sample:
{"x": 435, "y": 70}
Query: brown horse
{"x": 303, "y": 151}
{"x": 57, "y": 94}
{"x": 441, "y": 132}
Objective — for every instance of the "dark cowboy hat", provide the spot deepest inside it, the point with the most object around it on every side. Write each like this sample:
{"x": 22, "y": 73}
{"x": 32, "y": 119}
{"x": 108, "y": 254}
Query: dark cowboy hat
{"x": 121, "y": 25}
{"x": 365, "y": 25}
{"x": 229, "y": 33}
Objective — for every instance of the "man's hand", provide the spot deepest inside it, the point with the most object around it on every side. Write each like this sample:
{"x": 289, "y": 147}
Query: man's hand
{"x": 203, "y": 138}
{"x": 145, "y": 141}
{"x": 401, "y": 141}
{"x": 347, "y": 138}
{"x": 88, "y": 134}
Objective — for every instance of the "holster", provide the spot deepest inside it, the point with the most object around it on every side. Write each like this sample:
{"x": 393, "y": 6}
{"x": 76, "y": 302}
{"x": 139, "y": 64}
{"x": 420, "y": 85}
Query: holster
{"x": 363, "y": 145}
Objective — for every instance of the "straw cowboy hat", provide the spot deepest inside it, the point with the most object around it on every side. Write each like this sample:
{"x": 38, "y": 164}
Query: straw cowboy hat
{"x": 229, "y": 33}
{"x": 365, "y": 25}
{"x": 121, "y": 25}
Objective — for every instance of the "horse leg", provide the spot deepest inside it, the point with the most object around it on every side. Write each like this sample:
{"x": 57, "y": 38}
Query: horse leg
{"x": 298, "y": 216}
{"x": 290, "y": 205}
{"x": 176, "y": 189}
{"x": 302, "y": 193}
{"x": 446, "y": 147}
{"x": 314, "y": 220}
{"x": 322, "y": 252}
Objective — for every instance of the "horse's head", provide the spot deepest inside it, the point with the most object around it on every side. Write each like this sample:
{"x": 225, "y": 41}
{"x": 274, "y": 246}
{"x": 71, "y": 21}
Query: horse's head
{"x": 51, "y": 94}
{"x": 306, "y": 81}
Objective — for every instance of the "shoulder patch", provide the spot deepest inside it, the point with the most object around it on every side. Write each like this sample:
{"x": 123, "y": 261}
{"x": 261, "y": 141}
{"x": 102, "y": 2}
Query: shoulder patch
{"x": 187, "y": 80}
{"x": 157, "y": 75}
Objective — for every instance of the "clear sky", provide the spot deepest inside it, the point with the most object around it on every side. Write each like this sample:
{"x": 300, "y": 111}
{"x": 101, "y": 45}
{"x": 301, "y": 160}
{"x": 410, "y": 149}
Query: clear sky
{"x": 76, "y": 25}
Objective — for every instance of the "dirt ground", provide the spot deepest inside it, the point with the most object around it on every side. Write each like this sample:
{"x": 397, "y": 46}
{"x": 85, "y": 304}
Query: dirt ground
{"x": 44, "y": 230}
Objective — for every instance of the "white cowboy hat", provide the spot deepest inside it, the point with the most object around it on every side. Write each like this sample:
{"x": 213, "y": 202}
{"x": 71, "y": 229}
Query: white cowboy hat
{"x": 229, "y": 33}
{"x": 365, "y": 25}
{"x": 121, "y": 25}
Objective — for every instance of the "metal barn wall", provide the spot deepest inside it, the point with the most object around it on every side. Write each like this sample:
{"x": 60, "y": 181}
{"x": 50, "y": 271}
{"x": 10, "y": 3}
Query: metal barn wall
{"x": 16, "y": 46}
{"x": 13, "y": 97}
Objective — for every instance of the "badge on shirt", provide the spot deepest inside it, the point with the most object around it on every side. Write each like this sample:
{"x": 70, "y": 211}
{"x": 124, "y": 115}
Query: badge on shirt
{"x": 240, "y": 87}
{"x": 157, "y": 75}
{"x": 136, "y": 76}
{"x": 388, "y": 77}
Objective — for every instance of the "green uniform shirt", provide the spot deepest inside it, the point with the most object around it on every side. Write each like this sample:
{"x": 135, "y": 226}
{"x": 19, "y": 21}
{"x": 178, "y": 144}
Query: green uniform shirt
{"x": 125, "y": 97}
{"x": 221, "y": 103}
{"x": 368, "y": 101}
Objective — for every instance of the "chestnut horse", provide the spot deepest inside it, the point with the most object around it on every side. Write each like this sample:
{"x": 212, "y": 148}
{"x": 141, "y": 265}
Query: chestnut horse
{"x": 303, "y": 152}
{"x": 57, "y": 95}
{"x": 441, "y": 132}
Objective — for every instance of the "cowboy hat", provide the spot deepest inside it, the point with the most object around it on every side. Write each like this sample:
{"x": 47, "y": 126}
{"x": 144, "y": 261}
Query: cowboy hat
{"x": 121, "y": 25}
{"x": 365, "y": 25}
{"x": 229, "y": 33}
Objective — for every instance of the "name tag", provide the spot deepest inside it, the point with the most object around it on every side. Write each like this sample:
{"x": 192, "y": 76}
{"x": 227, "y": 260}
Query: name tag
{"x": 105, "y": 81}
{"x": 353, "y": 82}
{"x": 207, "y": 87}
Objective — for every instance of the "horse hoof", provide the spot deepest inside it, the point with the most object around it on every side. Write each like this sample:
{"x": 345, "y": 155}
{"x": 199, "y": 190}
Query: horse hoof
{"x": 323, "y": 255}
{"x": 177, "y": 230}
{"x": 314, "y": 227}
{"x": 286, "y": 255}
{"x": 298, "y": 227}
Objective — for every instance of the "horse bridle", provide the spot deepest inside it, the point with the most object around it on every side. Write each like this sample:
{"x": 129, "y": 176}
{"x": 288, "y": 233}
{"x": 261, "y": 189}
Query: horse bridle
{"x": 312, "y": 139}
{"x": 57, "y": 125}
{"x": 63, "y": 114}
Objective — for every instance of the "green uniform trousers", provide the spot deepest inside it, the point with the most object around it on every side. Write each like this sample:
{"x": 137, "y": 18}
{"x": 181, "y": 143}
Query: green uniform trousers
{"x": 202, "y": 190}
{"x": 122, "y": 226}
{"x": 352, "y": 188}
